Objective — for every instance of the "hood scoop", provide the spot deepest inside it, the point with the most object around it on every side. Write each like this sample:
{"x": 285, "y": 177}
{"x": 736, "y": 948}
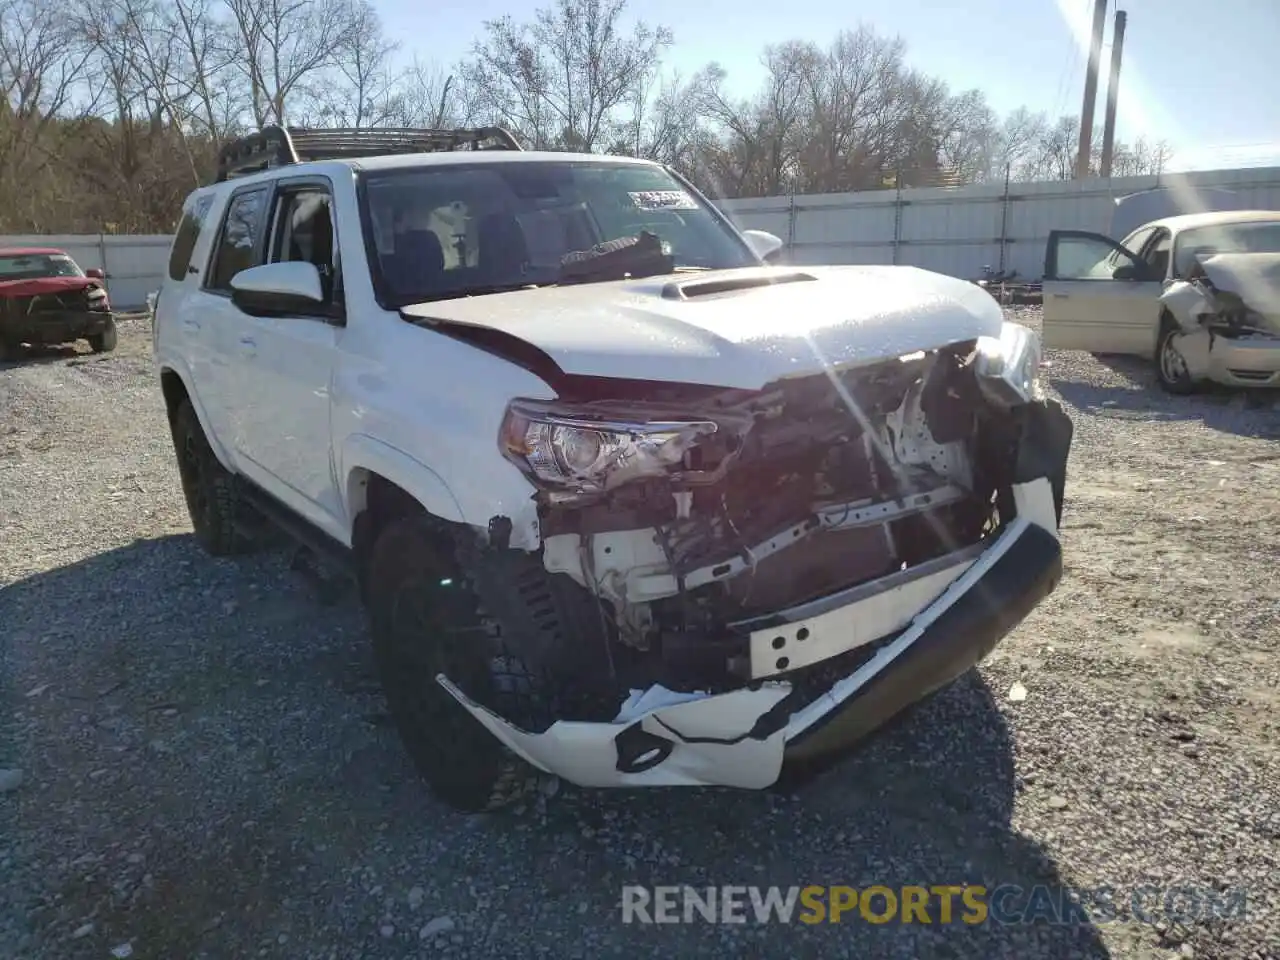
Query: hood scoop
{"x": 690, "y": 289}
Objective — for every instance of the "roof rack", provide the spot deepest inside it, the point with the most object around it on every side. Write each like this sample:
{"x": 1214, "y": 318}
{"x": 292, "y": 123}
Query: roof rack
{"x": 276, "y": 146}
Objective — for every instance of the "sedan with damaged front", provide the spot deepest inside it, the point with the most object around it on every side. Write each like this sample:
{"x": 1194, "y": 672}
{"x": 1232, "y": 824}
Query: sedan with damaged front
{"x": 1197, "y": 293}
{"x": 46, "y": 299}
{"x": 625, "y": 504}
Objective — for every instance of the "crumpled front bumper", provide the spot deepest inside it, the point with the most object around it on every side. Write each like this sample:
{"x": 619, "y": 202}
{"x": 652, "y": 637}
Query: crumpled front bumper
{"x": 744, "y": 737}
{"x": 54, "y": 326}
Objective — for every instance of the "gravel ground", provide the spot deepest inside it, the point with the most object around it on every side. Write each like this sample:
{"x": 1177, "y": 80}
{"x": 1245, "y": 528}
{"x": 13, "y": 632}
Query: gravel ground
{"x": 209, "y": 770}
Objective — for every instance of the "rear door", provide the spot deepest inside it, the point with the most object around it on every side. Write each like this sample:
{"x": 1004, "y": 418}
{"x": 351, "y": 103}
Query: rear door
{"x": 239, "y": 244}
{"x": 1099, "y": 296}
{"x": 177, "y": 321}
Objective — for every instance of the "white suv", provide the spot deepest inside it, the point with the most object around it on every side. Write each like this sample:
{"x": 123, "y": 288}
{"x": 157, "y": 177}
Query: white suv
{"x": 626, "y": 504}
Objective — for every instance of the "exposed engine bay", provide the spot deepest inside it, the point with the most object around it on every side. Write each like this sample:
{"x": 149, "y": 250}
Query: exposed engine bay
{"x": 765, "y": 500}
{"x": 1229, "y": 295}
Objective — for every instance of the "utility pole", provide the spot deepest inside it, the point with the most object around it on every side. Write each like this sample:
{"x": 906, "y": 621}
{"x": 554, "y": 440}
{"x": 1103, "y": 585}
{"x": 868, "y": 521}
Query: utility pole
{"x": 1091, "y": 89}
{"x": 1113, "y": 90}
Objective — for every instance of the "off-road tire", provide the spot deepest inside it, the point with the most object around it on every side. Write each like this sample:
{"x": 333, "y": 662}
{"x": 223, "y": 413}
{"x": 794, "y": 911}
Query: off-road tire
{"x": 1180, "y": 386}
{"x": 105, "y": 341}
{"x": 426, "y": 617}
{"x": 213, "y": 500}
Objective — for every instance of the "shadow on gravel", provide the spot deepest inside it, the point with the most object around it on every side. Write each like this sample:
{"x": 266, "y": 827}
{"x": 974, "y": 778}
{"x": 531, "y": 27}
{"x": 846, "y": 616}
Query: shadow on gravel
{"x": 1246, "y": 413}
{"x": 208, "y": 776}
{"x": 24, "y": 356}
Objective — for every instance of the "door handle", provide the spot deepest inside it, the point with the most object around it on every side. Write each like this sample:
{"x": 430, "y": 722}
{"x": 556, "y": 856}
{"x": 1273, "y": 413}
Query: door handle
{"x": 248, "y": 346}
{"x": 189, "y": 324}
{"x": 1062, "y": 296}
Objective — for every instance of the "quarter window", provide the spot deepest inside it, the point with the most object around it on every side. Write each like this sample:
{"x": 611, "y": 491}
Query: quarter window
{"x": 186, "y": 237}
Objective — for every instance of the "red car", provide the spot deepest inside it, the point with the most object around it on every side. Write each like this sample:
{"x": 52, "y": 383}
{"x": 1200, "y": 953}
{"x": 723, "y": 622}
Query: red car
{"x": 46, "y": 298}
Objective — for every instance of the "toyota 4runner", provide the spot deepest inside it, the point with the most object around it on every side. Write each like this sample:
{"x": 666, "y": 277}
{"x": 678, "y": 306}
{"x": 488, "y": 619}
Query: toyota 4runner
{"x": 625, "y": 503}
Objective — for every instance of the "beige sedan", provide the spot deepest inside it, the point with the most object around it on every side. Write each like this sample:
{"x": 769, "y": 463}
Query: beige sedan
{"x": 1199, "y": 294}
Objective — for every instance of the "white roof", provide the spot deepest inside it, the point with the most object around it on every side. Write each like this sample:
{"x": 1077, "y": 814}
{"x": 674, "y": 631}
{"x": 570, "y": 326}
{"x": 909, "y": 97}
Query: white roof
{"x": 409, "y": 161}
{"x": 398, "y": 161}
{"x": 1187, "y": 221}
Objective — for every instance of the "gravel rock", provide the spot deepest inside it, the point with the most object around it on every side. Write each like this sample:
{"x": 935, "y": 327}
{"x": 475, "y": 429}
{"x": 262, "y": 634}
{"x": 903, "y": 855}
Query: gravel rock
{"x": 214, "y": 716}
{"x": 436, "y": 928}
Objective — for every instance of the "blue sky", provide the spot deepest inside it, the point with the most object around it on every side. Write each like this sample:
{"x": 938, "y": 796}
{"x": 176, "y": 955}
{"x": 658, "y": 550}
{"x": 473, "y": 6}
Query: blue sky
{"x": 1201, "y": 75}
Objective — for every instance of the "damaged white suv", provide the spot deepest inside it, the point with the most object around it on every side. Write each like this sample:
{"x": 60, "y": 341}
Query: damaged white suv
{"x": 626, "y": 505}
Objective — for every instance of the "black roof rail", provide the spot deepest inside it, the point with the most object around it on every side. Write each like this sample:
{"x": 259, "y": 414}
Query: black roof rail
{"x": 276, "y": 146}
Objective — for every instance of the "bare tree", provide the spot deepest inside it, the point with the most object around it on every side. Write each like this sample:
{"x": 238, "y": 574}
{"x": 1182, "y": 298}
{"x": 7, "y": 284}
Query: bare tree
{"x": 564, "y": 79}
{"x": 967, "y": 136}
{"x": 430, "y": 96}
{"x": 366, "y": 93}
{"x": 205, "y": 74}
{"x": 1142, "y": 158}
{"x": 1016, "y": 143}
{"x": 42, "y": 60}
{"x": 666, "y": 122}
{"x": 285, "y": 47}
{"x": 114, "y": 109}
{"x": 761, "y": 137}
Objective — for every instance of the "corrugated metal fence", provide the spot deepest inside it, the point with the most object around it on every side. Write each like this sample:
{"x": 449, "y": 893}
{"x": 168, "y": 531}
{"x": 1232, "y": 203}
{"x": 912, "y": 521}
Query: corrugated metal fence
{"x": 954, "y": 230}
{"x": 959, "y": 230}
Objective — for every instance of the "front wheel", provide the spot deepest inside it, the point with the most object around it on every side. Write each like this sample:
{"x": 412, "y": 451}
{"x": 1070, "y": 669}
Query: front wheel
{"x": 1171, "y": 365}
{"x": 426, "y": 619}
{"x": 105, "y": 341}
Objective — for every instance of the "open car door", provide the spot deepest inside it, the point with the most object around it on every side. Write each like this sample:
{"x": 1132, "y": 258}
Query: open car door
{"x": 1098, "y": 296}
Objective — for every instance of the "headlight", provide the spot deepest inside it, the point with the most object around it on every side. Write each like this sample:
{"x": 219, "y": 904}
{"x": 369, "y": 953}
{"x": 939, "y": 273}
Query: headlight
{"x": 1008, "y": 366}
{"x": 580, "y": 453}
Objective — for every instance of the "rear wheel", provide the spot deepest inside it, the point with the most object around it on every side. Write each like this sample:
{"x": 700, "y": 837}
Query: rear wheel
{"x": 427, "y": 619}
{"x": 210, "y": 491}
{"x": 105, "y": 341}
{"x": 7, "y": 350}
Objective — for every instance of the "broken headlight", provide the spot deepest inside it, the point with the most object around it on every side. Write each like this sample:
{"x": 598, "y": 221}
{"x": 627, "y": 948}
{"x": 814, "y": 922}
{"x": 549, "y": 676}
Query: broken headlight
{"x": 575, "y": 451}
{"x": 1008, "y": 366}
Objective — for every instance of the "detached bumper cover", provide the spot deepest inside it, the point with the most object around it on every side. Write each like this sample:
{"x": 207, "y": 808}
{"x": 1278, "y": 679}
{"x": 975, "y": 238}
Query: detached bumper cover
{"x": 54, "y": 326}
{"x": 743, "y": 738}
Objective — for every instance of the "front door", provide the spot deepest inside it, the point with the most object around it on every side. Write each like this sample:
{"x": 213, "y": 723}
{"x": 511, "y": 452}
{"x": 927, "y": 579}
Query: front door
{"x": 1098, "y": 296}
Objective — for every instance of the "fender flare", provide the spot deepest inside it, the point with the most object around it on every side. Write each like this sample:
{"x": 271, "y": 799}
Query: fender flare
{"x": 179, "y": 370}
{"x": 363, "y": 452}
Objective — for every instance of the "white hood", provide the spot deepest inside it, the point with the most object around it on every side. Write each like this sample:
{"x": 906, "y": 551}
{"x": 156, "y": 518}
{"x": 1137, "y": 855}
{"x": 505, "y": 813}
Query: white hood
{"x": 744, "y": 338}
{"x": 1253, "y": 277}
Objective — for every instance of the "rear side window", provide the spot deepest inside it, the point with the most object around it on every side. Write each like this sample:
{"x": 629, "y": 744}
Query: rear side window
{"x": 240, "y": 241}
{"x": 184, "y": 241}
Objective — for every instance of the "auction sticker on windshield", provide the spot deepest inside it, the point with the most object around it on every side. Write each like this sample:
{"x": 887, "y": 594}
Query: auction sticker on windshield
{"x": 663, "y": 200}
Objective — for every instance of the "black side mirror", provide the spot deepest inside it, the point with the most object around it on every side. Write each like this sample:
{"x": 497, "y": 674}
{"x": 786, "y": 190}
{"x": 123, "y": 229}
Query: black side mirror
{"x": 1128, "y": 271}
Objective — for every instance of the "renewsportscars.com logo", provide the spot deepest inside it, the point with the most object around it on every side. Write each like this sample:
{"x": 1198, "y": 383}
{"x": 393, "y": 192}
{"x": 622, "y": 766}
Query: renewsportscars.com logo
{"x": 937, "y": 904}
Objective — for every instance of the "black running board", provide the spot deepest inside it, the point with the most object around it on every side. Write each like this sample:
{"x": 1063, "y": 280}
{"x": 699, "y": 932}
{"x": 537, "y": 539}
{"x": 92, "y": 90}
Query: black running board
{"x": 304, "y": 533}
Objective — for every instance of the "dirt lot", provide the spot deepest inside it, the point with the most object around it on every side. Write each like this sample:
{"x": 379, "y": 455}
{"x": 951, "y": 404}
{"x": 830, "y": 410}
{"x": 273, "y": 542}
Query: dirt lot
{"x": 209, "y": 771}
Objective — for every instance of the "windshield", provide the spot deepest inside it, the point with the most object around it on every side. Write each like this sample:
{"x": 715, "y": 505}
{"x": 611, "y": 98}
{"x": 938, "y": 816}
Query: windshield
{"x": 1262, "y": 236}
{"x": 30, "y": 266}
{"x": 459, "y": 230}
